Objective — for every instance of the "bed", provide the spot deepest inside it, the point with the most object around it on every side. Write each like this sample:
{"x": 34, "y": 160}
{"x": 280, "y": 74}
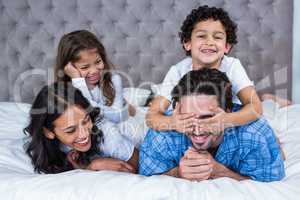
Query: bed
{"x": 18, "y": 181}
{"x": 141, "y": 39}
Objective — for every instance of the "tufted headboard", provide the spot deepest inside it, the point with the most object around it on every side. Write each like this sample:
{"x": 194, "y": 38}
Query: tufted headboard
{"x": 141, "y": 38}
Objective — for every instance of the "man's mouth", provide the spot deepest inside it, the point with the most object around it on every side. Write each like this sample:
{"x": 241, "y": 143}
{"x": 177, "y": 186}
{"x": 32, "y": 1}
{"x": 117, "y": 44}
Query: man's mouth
{"x": 199, "y": 138}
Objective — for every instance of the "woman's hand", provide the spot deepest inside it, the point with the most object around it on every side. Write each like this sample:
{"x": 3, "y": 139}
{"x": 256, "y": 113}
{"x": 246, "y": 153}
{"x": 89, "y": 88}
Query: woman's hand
{"x": 100, "y": 164}
{"x": 110, "y": 164}
{"x": 71, "y": 71}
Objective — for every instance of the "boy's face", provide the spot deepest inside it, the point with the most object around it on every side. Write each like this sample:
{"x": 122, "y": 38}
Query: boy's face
{"x": 203, "y": 106}
{"x": 208, "y": 44}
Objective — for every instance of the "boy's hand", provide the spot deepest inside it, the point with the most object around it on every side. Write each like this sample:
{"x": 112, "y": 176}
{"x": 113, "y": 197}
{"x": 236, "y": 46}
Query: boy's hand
{"x": 71, "y": 71}
{"x": 183, "y": 123}
{"x": 214, "y": 125}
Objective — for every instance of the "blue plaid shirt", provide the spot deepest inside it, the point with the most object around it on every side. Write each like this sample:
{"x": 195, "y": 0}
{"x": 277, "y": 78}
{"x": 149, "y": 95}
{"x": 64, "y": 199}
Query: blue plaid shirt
{"x": 250, "y": 150}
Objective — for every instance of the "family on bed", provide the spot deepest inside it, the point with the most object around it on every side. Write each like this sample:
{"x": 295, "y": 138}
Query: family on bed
{"x": 206, "y": 122}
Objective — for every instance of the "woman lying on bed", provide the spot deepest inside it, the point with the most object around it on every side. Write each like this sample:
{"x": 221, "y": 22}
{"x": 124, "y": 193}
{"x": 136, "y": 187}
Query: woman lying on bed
{"x": 63, "y": 135}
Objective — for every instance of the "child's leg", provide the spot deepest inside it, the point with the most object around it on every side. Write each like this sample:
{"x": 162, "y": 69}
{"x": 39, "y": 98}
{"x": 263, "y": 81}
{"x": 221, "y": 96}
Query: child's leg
{"x": 281, "y": 101}
{"x": 281, "y": 150}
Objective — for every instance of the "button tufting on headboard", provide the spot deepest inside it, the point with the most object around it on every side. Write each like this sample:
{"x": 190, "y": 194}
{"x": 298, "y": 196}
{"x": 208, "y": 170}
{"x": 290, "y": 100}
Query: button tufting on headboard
{"x": 141, "y": 38}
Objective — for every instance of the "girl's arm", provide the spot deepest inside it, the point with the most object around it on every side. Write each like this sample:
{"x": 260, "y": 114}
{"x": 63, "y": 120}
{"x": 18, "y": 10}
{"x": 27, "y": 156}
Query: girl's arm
{"x": 118, "y": 111}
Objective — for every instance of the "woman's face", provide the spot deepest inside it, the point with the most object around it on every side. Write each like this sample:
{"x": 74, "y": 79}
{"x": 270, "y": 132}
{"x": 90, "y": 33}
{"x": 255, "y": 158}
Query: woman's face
{"x": 73, "y": 128}
{"x": 90, "y": 66}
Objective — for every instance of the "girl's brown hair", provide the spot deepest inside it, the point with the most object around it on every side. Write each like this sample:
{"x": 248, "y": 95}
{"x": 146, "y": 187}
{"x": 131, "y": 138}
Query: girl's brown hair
{"x": 68, "y": 50}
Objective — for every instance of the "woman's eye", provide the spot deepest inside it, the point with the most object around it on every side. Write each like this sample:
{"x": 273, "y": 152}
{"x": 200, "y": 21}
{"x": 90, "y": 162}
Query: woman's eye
{"x": 200, "y": 36}
{"x": 71, "y": 131}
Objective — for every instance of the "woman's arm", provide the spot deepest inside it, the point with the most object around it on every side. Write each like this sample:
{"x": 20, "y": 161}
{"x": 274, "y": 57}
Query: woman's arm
{"x": 134, "y": 160}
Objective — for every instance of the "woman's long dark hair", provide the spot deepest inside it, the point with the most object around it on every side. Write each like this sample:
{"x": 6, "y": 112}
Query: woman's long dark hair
{"x": 48, "y": 105}
{"x": 68, "y": 50}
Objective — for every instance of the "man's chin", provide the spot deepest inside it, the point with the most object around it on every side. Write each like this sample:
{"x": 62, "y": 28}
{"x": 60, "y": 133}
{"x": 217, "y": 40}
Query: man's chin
{"x": 198, "y": 146}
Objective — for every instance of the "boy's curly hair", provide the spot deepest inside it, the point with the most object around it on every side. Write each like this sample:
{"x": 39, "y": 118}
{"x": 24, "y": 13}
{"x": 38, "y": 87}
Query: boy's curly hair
{"x": 203, "y": 13}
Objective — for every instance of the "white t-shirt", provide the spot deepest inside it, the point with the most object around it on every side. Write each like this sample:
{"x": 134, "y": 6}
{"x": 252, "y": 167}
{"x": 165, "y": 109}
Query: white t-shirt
{"x": 229, "y": 65}
{"x": 115, "y": 113}
{"x": 114, "y": 144}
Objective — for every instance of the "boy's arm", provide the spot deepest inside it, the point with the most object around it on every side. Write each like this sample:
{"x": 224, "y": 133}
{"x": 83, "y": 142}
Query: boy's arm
{"x": 157, "y": 120}
{"x": 251, "y": 110}
{"x": 155, "y": 117}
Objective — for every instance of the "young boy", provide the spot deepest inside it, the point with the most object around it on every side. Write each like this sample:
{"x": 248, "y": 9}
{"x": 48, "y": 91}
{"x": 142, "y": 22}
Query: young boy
{"x": 207, "y": 35}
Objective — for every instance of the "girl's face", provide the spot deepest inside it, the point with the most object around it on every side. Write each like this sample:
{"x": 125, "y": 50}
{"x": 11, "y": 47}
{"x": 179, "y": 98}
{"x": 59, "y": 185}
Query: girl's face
{"x": 90, "y": 66}
{"x": 73, "y": 129}
{"x": 208, "y": 44}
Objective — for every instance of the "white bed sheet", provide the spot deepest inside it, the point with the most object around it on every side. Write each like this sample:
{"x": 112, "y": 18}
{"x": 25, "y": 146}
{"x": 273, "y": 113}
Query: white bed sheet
{"x": 17, "y": 180}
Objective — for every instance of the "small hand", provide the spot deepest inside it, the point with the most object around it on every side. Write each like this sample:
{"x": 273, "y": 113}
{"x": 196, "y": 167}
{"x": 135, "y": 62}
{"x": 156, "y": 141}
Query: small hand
{"x": 183, "y": 123}
{"x": 214, "y": 125}
{"x": 110, "y": 164}
{"x": 71, "y": 71}
{"x": 72, "y": 157}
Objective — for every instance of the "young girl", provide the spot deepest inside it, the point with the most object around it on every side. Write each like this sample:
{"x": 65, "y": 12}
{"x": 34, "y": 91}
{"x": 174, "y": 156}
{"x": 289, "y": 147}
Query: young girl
{"x": 63, "y": 135}
{"x": 82, "y": 60}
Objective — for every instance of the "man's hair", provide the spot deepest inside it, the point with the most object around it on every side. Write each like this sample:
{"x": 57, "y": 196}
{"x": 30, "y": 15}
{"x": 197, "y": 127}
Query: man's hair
{"x": 203, "y": 13}
{"x": 204, "y": 81}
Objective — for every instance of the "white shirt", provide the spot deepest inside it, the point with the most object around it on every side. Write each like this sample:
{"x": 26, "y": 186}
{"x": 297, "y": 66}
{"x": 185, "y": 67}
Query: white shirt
{"x": 115, "y": 144}
{"x": 115, "y": 113}
{"x": 229, "y": 65}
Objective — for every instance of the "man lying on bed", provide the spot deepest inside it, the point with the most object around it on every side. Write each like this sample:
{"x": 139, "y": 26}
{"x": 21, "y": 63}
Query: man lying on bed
{"x": 243, "y": 152}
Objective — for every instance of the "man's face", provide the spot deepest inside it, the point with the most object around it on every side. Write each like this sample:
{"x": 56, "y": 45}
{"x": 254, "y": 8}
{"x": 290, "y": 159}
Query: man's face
{"x": 203, "y": 106}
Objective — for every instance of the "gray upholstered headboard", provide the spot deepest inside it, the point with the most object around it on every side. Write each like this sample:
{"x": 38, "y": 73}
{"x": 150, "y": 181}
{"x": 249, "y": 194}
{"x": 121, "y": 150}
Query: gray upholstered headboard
{"x": 140, "y": 37}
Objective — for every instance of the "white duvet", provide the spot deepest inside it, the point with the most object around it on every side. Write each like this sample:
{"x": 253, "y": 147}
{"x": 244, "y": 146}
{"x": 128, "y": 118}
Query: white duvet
{"x": 17, "y": 180}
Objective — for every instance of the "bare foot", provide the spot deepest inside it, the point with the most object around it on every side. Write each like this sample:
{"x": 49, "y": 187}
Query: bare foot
{"x": 131, "y": 110}
{"x": 281, "y": 101}
{"x": 281, "y": 150}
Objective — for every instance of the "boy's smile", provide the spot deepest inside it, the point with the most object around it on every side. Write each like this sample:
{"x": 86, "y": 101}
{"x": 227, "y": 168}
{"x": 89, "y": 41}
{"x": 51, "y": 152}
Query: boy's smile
{"x": 208, "y": 44}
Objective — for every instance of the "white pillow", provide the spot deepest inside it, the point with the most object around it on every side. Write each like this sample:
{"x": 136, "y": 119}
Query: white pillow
{"x": 155, "y": 88}
{"x": 136, "y": 96}
{"x": 13, "y": 119}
